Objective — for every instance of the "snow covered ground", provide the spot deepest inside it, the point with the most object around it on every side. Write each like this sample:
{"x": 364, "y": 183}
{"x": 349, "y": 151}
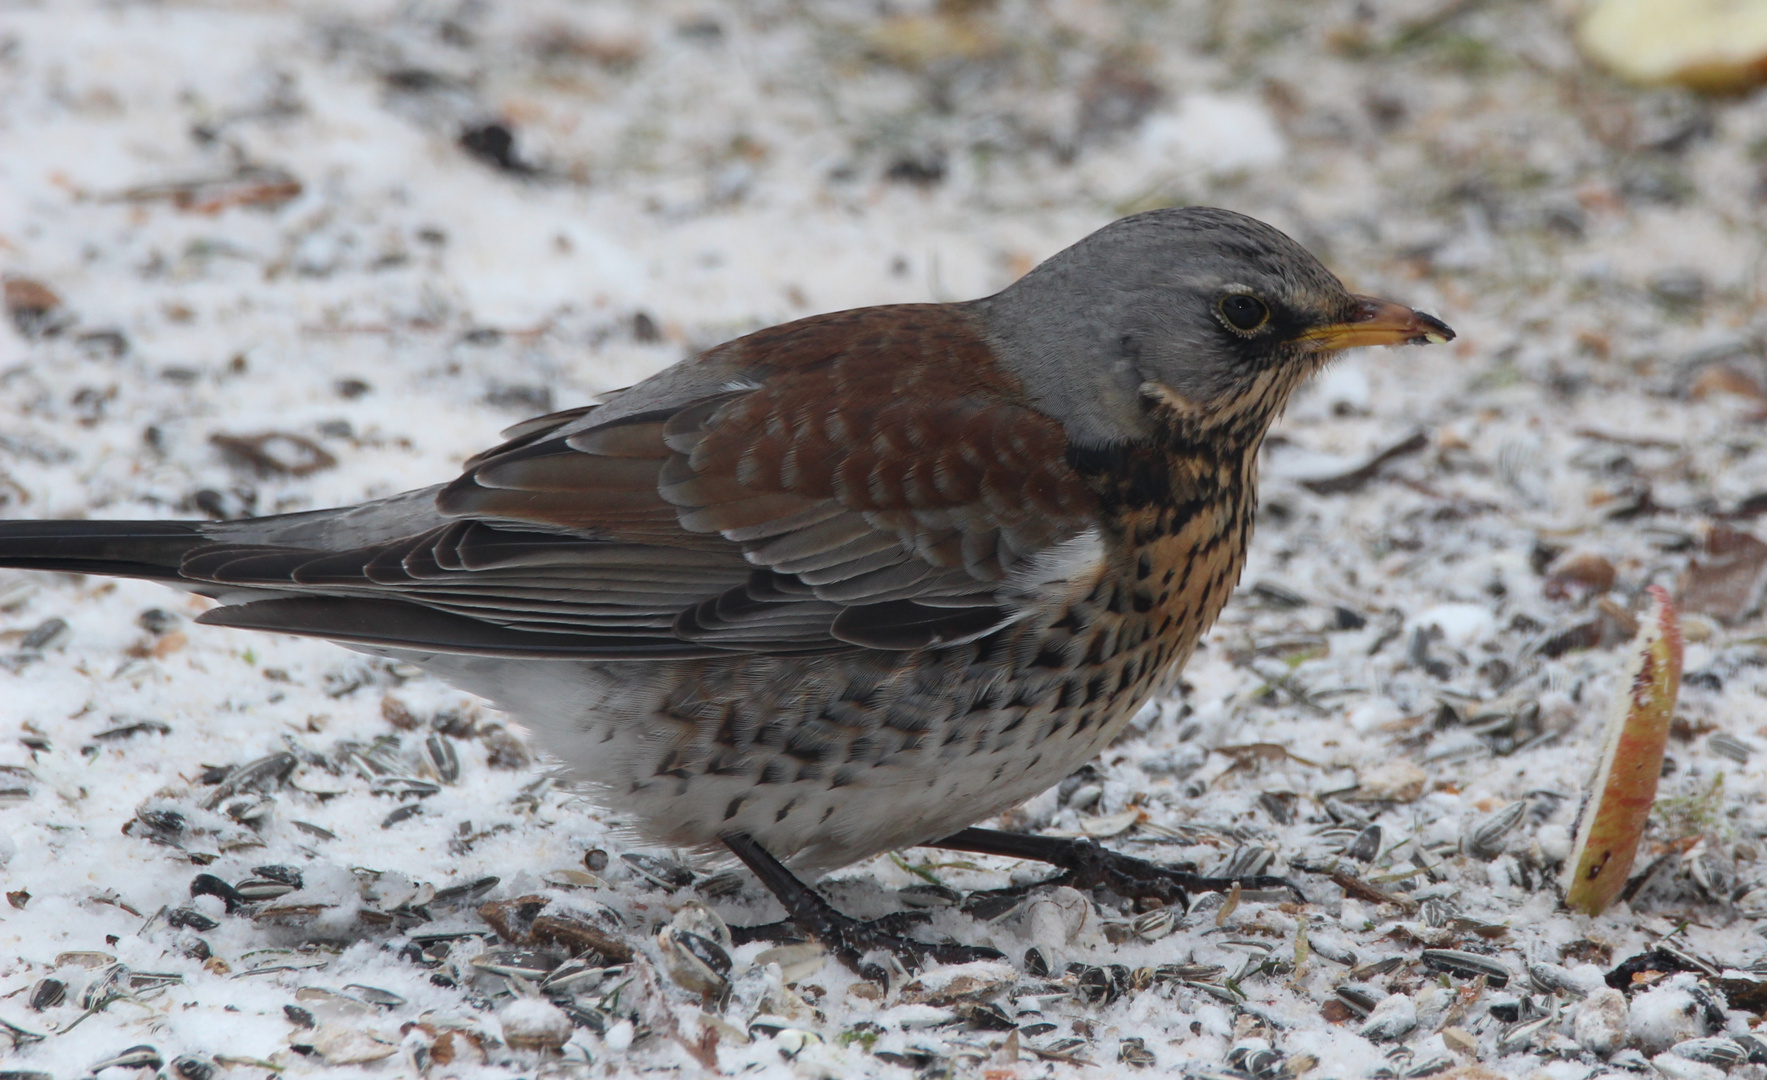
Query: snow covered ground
{"x": 379, "y": 232}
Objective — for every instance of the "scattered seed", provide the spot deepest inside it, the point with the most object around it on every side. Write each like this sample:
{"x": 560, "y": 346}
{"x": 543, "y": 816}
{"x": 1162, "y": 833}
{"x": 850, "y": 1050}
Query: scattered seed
{"x": 532, "y": 964}
{"x": 1468, "y": 964}
{"x": 136, "y": 1057}
{"x": 47, "y": 993}
{"x": 42, "y": 635}
{"x": 402, "y": 814}
{"x": 1133, "y": 1051}
{"x": 666, "y": 874}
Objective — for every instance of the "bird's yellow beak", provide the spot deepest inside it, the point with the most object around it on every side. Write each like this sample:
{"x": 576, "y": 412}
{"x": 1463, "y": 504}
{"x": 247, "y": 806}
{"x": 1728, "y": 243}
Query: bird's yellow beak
{"x": 1379, "y": 322}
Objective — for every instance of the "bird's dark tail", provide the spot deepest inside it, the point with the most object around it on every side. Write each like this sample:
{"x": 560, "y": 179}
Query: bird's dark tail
{"x": 138, "y": 549}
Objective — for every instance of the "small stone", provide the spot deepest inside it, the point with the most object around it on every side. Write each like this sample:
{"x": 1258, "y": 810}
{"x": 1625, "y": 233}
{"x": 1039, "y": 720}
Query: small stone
{"x": 1460, "y": 1040}
{"x": 535, "y": 1024}
{"x": 1675, "y": 1067}
{"x": 1397, "y": 781}
{"x": 340, "y": 1044}
{"x": 1599, "y": 1025}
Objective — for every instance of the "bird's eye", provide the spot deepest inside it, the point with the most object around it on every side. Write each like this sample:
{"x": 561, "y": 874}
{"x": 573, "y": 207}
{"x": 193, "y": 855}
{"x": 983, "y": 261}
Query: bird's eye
{"x": 1243, "y": 312}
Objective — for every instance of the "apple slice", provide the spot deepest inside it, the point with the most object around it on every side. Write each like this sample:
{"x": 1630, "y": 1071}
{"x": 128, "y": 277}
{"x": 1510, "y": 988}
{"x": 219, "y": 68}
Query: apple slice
{"x": 1617, "y": 804}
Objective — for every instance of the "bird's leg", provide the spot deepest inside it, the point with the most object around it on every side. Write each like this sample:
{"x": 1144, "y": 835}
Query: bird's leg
{"x": 848, "y": 938}
{"x": 1087, "y": 866}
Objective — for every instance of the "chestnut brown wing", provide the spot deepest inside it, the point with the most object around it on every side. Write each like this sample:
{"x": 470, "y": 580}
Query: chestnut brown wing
{"x": 869, "y": 478}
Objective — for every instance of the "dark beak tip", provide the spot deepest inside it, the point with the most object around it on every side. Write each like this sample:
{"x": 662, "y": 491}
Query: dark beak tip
{"x": 1436, "y": 326}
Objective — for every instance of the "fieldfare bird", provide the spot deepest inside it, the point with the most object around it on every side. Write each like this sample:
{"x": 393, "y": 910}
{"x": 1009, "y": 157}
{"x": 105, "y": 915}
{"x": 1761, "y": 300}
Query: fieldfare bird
{"x": 844, "y": 585}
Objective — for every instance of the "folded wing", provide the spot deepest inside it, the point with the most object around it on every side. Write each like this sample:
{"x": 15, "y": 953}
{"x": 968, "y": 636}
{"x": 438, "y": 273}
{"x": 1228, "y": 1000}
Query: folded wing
{"x": 864, "y": 479}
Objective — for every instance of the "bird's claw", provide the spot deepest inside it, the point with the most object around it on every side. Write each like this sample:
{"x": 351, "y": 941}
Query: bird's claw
{"x": 1088, "y": 866}
{"x": 850, "y": 940}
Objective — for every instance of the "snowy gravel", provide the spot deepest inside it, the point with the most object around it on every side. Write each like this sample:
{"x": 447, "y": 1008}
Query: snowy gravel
{"x": 383, "y": 231}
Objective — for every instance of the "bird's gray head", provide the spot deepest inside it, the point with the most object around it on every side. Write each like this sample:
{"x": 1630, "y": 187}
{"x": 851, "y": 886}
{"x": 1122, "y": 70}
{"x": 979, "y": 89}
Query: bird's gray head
{"x": 1202, "y": 313}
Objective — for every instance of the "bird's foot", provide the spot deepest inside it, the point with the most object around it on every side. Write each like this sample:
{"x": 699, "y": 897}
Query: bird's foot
{"x": 1087, "y": 866}
{"x": 849, "y": 939}
{"x": 787, "y": 932}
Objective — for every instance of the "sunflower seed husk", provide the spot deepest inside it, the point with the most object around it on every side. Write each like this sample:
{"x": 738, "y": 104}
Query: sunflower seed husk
{"x": 928, "y": 895}
{"x": 402, "y": 786}
{"x": 109, "y": 984}
{"x": 1522, "y": 1032}
{"x": 1714, "y": 874}
{"x": 1133, "y": 1051}
{"x": 531, "y": 964}
{"x": 456, "y": 896}
{"x": 42, "y": 634}
{"x": 1429, "y": 1067}
{"x": 47, "y": 993}
{"x": 1360, "y": 1001}
{"x": 1471, "y": 965}
{"x": 1256, "y": 1058}
{"x": 721, "y": 884}
{"x": 1155, "y": 924}
{"x": 133, "y": 727}
{"x": 1485, "y": 838}
{"x": 573, "y": 879}
{"x": 575, "y": 975}
{"x": 375, "y": 996}
{"x": 1246, "y": 861}
{"x": 267, "y": 771}
{"x": 1718, "y": 1051}
{"x": 190, "y": 1067}
{"x": 253, "y": 890}
{"x": 1436, "y": 912}
{"x": 696, "y": 963}
{"x": 402, "y": 814}
{"x": 136, "y": 1057}
{"x": 1731, "y": 747}
{"x": 666, "y": 874}
{"x": 1366, "y": 845}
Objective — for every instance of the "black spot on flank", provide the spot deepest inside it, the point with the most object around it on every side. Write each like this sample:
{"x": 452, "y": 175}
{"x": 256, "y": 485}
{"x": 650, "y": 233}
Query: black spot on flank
{"x": 1063, "y": 697}
{"x": 828, "y": 813}
{"x": 1143, "y": 601}
{"x": 775, "y": 772}
{"x": 1095, "y": 649}
{"x": 1050, "y": 656}
{"x": 1095, "y": 688}
{"x": 1069, "y": 621}
{"x": 735, "y": 805}
{"x": 841, "y": 778}
{"x": 784, "y": 811}
{"x": 1143, "y": 567}
{"x": 1167, "y": 580}
{"x": 1115, "y": 604}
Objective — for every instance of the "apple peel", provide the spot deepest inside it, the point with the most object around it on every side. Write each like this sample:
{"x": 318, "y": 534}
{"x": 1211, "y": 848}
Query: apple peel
{"x": 1616, "y": 806}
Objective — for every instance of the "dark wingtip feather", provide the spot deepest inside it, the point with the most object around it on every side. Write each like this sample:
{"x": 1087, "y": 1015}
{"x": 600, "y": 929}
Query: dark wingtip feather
{"x": 393, "y": 624}
{"x": 142, "y": 549}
